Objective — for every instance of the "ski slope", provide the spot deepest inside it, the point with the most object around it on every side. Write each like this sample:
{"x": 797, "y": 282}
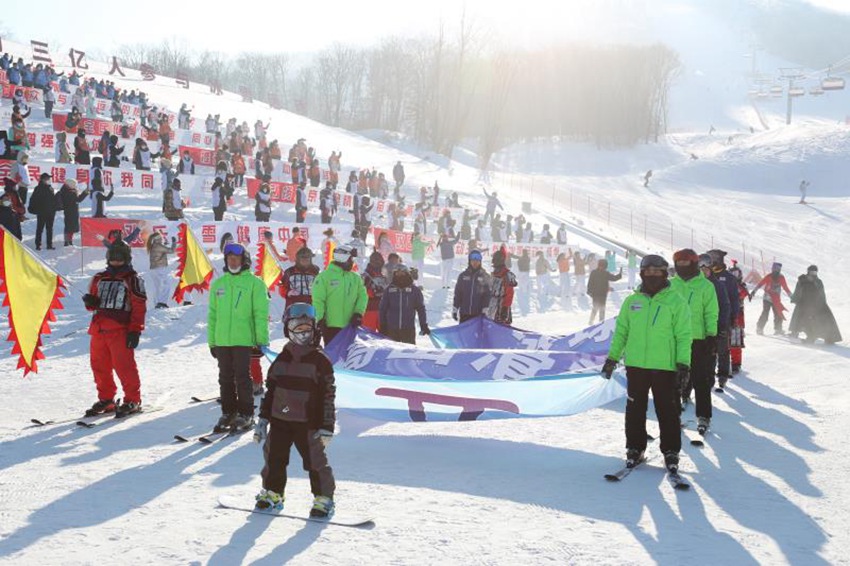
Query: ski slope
{"x": 767, "y": 488}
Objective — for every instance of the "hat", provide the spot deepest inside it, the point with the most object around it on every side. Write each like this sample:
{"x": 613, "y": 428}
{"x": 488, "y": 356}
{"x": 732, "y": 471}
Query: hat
{"x": 776, "y": 266}
{"x": 72, "y": 183}
{"x": 44, "y": 176}
{"x": 812, "y": 268}
{"x": 685, "y": 254}
{"x": 328, "y": 232}
{"x": 119, "y": 251}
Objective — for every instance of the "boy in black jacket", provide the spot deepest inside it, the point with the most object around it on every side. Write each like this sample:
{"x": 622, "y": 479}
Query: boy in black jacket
{"x": 299, "y": 409}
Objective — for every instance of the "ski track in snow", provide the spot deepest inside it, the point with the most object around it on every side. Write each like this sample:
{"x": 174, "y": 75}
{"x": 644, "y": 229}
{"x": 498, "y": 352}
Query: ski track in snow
{"x": 767, "y": 488}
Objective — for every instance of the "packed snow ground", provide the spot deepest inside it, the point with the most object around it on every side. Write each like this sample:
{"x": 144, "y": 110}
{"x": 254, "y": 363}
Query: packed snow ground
{"x": 768, "y": 486}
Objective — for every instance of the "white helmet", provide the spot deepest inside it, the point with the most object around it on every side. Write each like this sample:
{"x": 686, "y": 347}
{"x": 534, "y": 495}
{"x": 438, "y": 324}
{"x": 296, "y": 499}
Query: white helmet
{"x": 344, "y": 253}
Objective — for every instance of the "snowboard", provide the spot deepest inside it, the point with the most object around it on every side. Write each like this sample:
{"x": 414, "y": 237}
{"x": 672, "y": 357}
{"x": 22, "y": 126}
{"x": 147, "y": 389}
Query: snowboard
{"x": 237, "y": 504}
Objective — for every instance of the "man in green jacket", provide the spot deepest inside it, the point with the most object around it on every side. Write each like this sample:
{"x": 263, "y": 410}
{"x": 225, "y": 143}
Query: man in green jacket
{"x": 339, "y": 294}
{"x": 701, "y": 298}
{"x": 237, "y": 321}
{"x": 654, "y": 331}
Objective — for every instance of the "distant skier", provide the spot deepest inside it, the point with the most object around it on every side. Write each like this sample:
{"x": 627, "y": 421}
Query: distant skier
{"x": 654, "y": 332}
{"x": 773, "y": 283}
{"x": 646, "y": 177}
{"x": 812, "y": 315}
{"x": 117, "y": 298}
{"x": 804, "y": 188}
{"x": 299, "y": 408}
{"x": 492, "y": 203}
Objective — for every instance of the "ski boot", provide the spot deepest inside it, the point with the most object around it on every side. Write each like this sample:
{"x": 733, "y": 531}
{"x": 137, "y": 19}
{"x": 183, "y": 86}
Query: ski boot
{"x": 721, "y": 380}
{"x": 703, "y": 424}
{"x": 258, "y": 389}
{"x": 633, "y": 457}
{"x": 736, "y": 369}
{"x": 242, "y": 423}
{"x": 270, "y": 500}
{"x": 323, "y": 507}
{"x": 102, "y": 406}
{"x": 224, "y": 423}
{"x": 671, "y": 462}
{"x": 127, "y": 409}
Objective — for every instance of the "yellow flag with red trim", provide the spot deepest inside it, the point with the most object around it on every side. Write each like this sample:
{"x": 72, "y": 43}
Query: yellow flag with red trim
{"x": 328, "y": 252}
{"x": 194, "y": 267}
{"x": 31, "y": 293}
{"x": 267, "y": 268}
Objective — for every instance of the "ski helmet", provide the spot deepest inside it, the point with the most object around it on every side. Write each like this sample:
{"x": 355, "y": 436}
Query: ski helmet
{"x": 299, "y": 324}
{"x": 653, "y": 260}
{"x": 344, "y": 254}
{"x": 238, "y": 249}
{"x": 119, "y": 251}
{"x": 704, "y": 260}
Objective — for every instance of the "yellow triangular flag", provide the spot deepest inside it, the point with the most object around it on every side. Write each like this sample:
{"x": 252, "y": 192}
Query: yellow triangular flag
{"x": 31, "y": 292}
{"x": 267, "y": 268}
{"x": 194, "y": 268}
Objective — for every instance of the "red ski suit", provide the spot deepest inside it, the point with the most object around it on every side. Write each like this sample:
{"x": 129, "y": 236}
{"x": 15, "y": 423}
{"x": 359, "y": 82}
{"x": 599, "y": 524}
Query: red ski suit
{"x": 121, "y": 309}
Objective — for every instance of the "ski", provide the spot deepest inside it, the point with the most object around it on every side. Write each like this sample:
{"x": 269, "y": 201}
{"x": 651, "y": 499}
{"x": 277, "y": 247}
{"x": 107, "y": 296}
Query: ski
{"x": 342, "y": 521}
{"x": 206, "y": 399}
{"x": 90, "y": 424}
{"x": 625, "y": 470}
{"x": 677, "y": 481}
{"x": 211, "y": 437}
{"x": 49, "y": 422}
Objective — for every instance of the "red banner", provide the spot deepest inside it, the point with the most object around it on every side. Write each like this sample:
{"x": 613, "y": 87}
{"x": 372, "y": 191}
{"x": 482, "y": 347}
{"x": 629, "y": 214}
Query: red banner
{"x": 93, "y": 231}
{"x": 281, "y": 192}
{"x": 92, "y": 126}
{"x": 201, "y": 156}
{"x": 401, "y": 241}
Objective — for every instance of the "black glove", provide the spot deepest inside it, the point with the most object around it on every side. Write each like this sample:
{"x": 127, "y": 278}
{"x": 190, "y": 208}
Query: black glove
{"x": 133, "y": 340}
{"x": 91, "y": 301}
{"x": 213, "y": 353}
{"x": 711, "y": 345}
{"x": 608, "y": 368}
{"x": 424, "y": 331}
{"x": 454, "y": 313}
{"x": 356, "y": 319}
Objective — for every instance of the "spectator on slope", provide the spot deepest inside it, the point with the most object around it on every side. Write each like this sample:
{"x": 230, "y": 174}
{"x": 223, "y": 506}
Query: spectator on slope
{"x": 18, "y": 134}
{"x": 301, "y": 203}
{"x": 544, "y": 281}
{"x": 61, "y": 150}
{"x": 237, "y": 322}
{"x": 375, "y": 283}
{"x": 546, "y": 235}
{"x": 186, "y": 165}
{"x": 117, "y": 298}
{"x": 70, "y": 200}
{"x": 359, "y": 245}
{"x": 211, "y": 125}
{"x": 631, "y": 258}
{"x": 384, "y": 245}
{"x": 528, "y": 234}
{"x": 351, "y": 186}
{"x": 43, "y": 206}
{"x": 184, "y": 116}
{"x": 812, "y": 315}
{"x": 296, "y": 284}
{"x": 654, "y": 332}
{"x": 309, "y": 422}
{"x": 113, "y": 152}
{"x": 159, "y": 274}
{"x": 492, "y": 203}
{"x": 447, "y": 244}
{"x": 339, "y": 295}
{"x": 523, "y": 266}
{"x": 399, "y": 305}
{"x": 383, "y": 187}
{"x": 274, "y": 150}
{"x": 49, "y": 98}
{"x": 563, "y": 261}
{"x": 503, "y": 282}
{"x": 327, "y": 203}
{"x": 398, "y": 175}
{"x": 20, "y": 174}
{"x": 168, "y": 176}
{"x": 173, "y": 201}
{"x": 472, "y": 290}
{"x": 91, "y": 106}
{"x": 701, "y": 299}
{"x": 237, "y": 163}
{"x": 315, "y": 174}
{"x": 295, "y": 243}
{"x": 334, "y": 168}
{"x": 579, "y": 268}
{"x": 116, "y": 112}
{"x": 221, "y": 191}
{"x": 82, "y": 156}
{"x": 11, "y": 209}
{"x": 417, "y": 254}
{"x": 263, "y": 203}
{"x": 611, "y": 261}
{"x": 97, "y": 194}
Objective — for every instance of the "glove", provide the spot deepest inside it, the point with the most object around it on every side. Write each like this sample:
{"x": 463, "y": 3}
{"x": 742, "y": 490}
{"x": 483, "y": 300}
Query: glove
{"x": 324, "y": 436}
{"x": 133, "y": 340}
{"x": 424, "y": 331}
{"x": 213, "y": 352}
{"x": 91, "y": 301}
{"x": 608, "y": 368}
{"x": 356, "y": 319}
{"x": 454, "y": 313}
{"x": 261, "y": 430}
{"x": 711, "y": 343}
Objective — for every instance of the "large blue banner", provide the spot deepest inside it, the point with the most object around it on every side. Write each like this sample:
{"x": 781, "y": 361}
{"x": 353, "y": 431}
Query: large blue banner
{"x": 483, "y": 333}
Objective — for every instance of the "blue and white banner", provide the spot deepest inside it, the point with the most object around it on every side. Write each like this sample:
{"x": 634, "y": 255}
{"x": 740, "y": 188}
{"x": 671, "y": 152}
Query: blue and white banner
{"x": 483, "y": 333}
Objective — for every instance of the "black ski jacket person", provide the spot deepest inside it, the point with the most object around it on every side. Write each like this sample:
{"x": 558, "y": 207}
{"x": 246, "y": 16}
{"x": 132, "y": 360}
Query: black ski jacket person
{"x": 472, "y": 292}
{"x": 812, "y": 315}
{"x": 400, "y": 303}
{"x": 723, "y": 316}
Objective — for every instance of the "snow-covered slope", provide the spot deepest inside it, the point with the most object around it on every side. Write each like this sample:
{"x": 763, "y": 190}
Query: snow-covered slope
{"x": 767, "y": 488}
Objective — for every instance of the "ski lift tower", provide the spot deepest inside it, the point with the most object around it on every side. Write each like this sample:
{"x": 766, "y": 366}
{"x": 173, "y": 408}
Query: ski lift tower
{"x": 791, "y": 75}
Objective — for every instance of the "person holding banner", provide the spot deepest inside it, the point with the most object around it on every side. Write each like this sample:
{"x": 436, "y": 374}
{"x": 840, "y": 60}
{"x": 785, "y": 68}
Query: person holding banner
{"x": 82, "y": 154}
{"x": 399, "y": 305}
{"x": 70, "y": 200}
{"x": 447, "y": 257}
{"x": 43, "y": 206}
{"x": 163, "y": 282}
{"x": 472, "y": 290}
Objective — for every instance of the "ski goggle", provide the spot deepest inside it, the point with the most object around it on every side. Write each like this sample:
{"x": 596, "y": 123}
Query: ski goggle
{"x": 300, "y": 310}
{"x": 235, "y": 249}
{"x": 653, "y": 260}
{"x": 475, "y": 256}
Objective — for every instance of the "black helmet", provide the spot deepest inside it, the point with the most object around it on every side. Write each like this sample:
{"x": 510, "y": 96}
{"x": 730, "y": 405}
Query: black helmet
{"x": 119, "y": 251}
{"x": 653, "y": 260}
{"x": 498, "y": 258}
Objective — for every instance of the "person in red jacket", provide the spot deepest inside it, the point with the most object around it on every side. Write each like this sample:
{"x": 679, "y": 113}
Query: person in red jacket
{"x": 376, "y": 283}
{"x": 296, "y": 284}
{"x": 773, "y": 283}
{"x": 117, "y": 298}
{"x": 502, "y": 290}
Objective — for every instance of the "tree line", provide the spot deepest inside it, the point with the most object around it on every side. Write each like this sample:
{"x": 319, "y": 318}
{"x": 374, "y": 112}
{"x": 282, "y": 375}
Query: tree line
{"x": 452, "y": 87}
